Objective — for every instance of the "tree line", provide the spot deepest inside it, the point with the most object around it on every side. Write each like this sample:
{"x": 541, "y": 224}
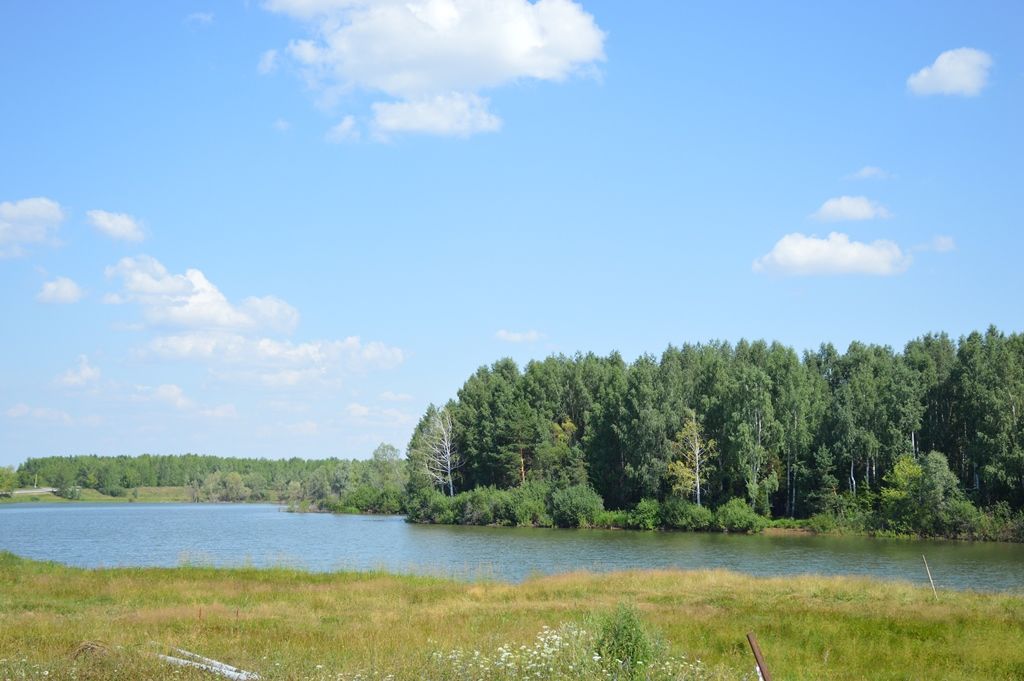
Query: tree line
{"x": 929, "y": 440}
{"x": 375, "y": 485}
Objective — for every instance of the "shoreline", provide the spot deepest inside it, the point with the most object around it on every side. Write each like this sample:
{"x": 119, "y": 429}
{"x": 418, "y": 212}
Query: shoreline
{"x": 159, "y": 495}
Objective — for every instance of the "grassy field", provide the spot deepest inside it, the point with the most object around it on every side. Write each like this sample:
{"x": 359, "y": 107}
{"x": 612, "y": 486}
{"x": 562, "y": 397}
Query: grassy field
{"x": 287, "y": 624}
{"x": 146, "y": 495}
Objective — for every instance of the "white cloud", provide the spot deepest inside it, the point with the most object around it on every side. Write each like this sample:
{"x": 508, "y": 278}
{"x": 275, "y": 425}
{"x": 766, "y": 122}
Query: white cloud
{"x": 199, "y": 18}
{"x": 60, "y": 290}
{"x": 530, "y": 336}
{"x": 381, "y": 418}
{"x": 963, "y": 71}
{"x": 81, "y": 375}
{"x": 222, "y": 411}
{"x": 357, "y": 410}
{"x": 800, "y": 255}
{"x": 843, "y": 208}
{"x": 303, "y": 428}
{"x": 27, "y": 221}
{"x": 870, "y": 173}
{"x": 345, "y": 131}
{"x": 389, "y": 396}
{"x": 168, "y": 393}
{"x": 274, "y": 363}
{"x": 433, "y": 57}
{"x": 268, "y": 63}
{"x": 939, "y": 244}
{"x": 45, "y": 414}
{"x": 455, "y": 114}
{"x": 191, "y": 300}
{"x": 281, "y": 125}
{"x": 173, "y": 395}
{"x": 116, "y": 225}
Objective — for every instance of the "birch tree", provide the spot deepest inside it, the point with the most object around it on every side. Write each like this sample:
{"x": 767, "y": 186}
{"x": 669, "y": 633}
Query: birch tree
{"x": 442, "y": 457}
{"x": 695, "y": 454}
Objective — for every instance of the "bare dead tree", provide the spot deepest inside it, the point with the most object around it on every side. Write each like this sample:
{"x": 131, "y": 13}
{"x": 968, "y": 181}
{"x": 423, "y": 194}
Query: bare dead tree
{"x": 442, "y": 457}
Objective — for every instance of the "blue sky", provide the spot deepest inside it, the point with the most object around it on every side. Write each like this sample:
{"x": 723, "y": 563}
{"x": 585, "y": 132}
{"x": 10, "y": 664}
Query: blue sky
{"x": 283, "y": 228}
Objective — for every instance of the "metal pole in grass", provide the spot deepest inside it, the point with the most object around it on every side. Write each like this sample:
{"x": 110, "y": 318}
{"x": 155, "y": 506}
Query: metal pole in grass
{"x": 762, "y": 668}
{"x": 930, "y": 580}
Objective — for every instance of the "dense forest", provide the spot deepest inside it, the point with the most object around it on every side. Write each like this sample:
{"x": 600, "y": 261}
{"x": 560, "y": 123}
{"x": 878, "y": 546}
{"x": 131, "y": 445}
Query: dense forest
{"x": 926, "y": 441}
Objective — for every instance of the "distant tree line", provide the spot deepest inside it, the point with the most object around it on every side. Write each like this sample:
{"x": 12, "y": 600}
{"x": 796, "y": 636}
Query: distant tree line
{"x": 376, "y": 485}
{"x": 927, "y": 441}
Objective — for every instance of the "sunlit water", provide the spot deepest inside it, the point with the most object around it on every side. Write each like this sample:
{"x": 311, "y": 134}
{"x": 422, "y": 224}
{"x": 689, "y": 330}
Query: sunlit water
{"x": 94, "y": 535}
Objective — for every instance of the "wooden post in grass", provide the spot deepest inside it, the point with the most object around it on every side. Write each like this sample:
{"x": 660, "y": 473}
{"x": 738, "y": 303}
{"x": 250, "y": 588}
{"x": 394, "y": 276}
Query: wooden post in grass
{"x": 930, "y": 580}
{"x": 762, "y": 668}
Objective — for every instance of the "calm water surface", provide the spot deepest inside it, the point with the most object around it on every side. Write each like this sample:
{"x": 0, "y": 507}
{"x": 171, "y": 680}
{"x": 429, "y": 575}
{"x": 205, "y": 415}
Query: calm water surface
{"x": 93, "y": 535}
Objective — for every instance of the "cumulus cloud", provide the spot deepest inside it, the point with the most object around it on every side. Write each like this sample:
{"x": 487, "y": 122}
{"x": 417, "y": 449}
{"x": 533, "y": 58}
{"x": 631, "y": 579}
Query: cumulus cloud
{"x": 61, "y": 291}
{"x": 116, "y": 225}
{"x": 455, "y": 114}
{"x": 939, "y": 244}
{"x": 373, "y": 416}
{"x": 83, "y": 374}
{"x": 530, "y": 336}
{"x": 195, "y": 322}
{"x": 167, "y": 393}
{"x": 222, "y": 411}
{"x": 799, "y": 255}
{"x": 173, "y": 395}
{"x": 870, "y": 173}
{"x": 275, "y": 363}
{"x": 357, "y": 410}
{"x": 963, "y": 72}
{"x": 344, "y": 131}
{"x": 843, "y": 208}
{"x": 433, "y": 57}
{"x": 238, "y": 348}
{"x": 28, "y": 221}
{"x": 267, "y": 63}
{"x": 303, "y": 428}
{"x": 44, "y": 414}
{"x": 191, "y": 300}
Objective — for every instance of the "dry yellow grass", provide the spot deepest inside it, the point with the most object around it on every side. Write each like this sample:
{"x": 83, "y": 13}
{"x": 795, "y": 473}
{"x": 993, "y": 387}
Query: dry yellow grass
{"x": 284, "y": 623}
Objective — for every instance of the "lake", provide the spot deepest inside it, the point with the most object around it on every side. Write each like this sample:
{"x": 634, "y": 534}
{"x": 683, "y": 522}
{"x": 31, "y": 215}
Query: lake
{"x": 107, "y": 535}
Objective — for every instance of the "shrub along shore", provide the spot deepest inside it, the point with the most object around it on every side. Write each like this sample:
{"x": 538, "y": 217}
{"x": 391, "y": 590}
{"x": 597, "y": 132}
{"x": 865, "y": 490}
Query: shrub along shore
{"x": 288, "y": 624}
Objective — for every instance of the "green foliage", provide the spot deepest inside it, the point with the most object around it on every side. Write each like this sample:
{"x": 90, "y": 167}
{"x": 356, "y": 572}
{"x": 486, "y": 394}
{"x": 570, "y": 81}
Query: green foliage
{"x": 433, "y": 507}
{"x": 612, "y": 519}
{"x": 482, "y": 506}
{"x": 529, "y": 504}
{"x": 924, "y": 498}
{"x": 736, "y": 515}
{"x": 575, "y": 506}
{"x": 624, "y": 643}
{"x": 8, "y": 481}
{"x": 646, "y": 515}
{"x": 679, "y": 514}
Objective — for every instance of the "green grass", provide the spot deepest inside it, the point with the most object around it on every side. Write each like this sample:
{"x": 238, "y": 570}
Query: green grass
{"x": 288, "y": 624}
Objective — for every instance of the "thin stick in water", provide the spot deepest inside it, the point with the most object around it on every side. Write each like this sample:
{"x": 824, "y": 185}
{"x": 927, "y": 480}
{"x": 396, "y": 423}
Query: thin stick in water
{"x": 930, "y": 580}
